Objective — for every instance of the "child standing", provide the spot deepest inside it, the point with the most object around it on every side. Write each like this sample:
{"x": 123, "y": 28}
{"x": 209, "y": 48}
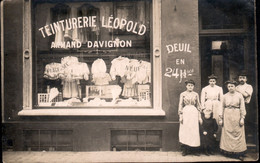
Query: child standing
{"x": 208, "y": 130}
{"x": 189, "y": 117}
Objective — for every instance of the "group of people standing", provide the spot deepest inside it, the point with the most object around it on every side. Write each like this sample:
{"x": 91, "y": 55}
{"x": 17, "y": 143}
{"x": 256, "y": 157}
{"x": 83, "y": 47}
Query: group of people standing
{"x": 217, "y": 121}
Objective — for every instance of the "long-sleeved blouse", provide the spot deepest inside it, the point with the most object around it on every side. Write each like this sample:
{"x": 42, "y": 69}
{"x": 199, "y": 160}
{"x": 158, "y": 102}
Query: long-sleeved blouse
{"x": 188, "y": 98}
{"x": 234, "y": 101}
{"x": 211, "y": 93}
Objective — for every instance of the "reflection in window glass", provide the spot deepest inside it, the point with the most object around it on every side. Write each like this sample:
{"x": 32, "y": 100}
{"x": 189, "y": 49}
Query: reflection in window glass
{"x": 92, "y": 54}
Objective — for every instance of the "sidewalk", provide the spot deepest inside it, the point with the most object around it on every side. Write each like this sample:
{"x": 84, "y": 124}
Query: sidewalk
{"x": 108, "y": 156}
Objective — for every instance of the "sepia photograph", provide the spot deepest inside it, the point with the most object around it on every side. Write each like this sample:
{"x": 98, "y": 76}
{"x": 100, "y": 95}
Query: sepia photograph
{"x": 129, "y": 81}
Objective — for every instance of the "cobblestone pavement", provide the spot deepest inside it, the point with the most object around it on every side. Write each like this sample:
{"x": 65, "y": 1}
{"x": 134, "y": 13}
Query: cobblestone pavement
{"x": 135, "y": 156}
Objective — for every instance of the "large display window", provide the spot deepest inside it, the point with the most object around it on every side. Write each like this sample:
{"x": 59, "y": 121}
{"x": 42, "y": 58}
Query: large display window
{"x": 92, "y": 54}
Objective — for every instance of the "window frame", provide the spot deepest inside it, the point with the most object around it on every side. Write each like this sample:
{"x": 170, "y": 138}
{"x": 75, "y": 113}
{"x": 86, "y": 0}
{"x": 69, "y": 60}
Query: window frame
{"x": 28, "y": 109}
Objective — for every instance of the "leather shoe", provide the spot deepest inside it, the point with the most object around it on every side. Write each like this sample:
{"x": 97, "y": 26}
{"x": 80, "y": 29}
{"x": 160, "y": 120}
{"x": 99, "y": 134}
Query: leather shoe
{"x": 241, "y": 158}
{"x": 196, "y": 154}
{"x": 184, "y": 153}
{"x": 210, "y": 152}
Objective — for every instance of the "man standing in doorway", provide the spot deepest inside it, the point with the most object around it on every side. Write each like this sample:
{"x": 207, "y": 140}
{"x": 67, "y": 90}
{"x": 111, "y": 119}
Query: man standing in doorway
{"x": 246, "y": 90}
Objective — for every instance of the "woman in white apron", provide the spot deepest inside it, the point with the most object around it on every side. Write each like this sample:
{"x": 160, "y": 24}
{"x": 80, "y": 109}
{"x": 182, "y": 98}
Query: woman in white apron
{"x": 189, "y": 114}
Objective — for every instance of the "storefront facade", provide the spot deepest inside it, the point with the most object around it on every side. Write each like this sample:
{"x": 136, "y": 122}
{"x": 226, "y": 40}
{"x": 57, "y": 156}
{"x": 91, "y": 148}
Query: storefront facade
{"x": 107, "y": 75}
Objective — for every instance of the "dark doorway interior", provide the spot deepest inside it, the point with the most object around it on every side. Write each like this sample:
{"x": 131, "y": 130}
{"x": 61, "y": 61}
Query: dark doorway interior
{"x": 222, "y": 56}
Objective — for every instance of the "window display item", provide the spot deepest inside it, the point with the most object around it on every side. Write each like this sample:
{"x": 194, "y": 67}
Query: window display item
{"x": 127, "y": 102}
{"x": 70, "y": 88}
{"x": 70, "y": 71}
{"x": 98, "y": 66}
{"x": 76, "y": 71}
{"x": 145, "y": 103}
{"x": 132, "y": 69}
{"x": 129, "y": 80}
{"x": 98, "y": 69}
{"x": 46, "y": 99}
{"x": 70, "y": 32}
{"x": 116, "y": 91}
{"x": 70, "y": 84}
{"x": 118, "y": 67}
{"x": 73, "y": 71}
{"x": 92, "y": 32}
{"x": 69, "y": 60}
{"x": 71, "y": 101}
{"x": 60, "y": 12}
{"x": 53, "y": 93}
{"x": 48, "y": 89}
{"x": 143, "y": 74}
{"x": 96, "y": 102}
{"x": 143, "y": 92}
{"x": 105, "y": 92}
{"x": 52, "y": 71}
{"x": 101, "y": 79}
{"x": 129, "y": 89}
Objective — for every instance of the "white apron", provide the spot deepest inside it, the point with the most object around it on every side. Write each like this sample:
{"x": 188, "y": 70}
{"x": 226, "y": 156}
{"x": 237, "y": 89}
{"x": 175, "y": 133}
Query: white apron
{"x": 189, "y": 130}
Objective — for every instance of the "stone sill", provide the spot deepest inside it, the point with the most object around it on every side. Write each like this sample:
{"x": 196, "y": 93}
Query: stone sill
{"x": 91, "y": 112}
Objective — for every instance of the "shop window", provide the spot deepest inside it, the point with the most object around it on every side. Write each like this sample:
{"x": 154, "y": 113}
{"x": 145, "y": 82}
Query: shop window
{"x": 92, "y": 55}
{"x": 136, "y": 140}
{"x": 90, "y": 63}
{"x": 48, "y": 140}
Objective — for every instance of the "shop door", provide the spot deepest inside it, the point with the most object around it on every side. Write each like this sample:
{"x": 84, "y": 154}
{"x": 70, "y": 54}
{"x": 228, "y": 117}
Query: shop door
{"x": 222, "y": 56}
